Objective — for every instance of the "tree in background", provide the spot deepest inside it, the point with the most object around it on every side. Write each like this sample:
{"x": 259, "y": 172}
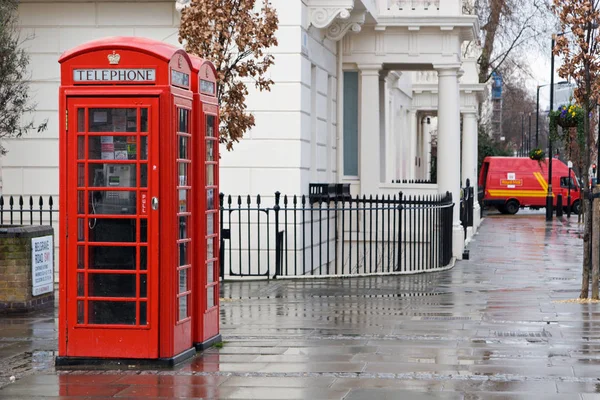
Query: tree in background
{"x": 578, "y": 48}
{"x": 507, "y": 26}
{"x": 15, "y": 99}
{"x": 235, "y": 37}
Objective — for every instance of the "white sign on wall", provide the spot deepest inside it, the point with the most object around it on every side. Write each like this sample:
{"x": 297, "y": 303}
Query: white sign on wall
{"x": 42, "y": 265}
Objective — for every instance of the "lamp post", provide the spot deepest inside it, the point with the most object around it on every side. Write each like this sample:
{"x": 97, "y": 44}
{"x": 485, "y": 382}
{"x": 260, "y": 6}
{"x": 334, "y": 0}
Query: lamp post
{"x": 529, "y": 140}
{"x": 522, "y": 134}
{"x": 570, "y": 165}
{"x": 549, "y": 201}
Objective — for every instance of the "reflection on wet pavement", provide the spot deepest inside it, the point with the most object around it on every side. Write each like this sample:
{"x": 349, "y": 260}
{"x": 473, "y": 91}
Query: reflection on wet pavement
{"x": 488, "y": 329}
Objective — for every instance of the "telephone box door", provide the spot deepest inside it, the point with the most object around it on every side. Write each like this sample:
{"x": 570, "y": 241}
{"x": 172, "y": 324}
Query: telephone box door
{"x": 112, "y": 223}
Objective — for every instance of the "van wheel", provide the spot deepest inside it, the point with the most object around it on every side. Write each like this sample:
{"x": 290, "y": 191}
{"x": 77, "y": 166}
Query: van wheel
{"x": 501, "y": 209}
{"x": 576, "y": 207}
{"x": 512, "y": 207}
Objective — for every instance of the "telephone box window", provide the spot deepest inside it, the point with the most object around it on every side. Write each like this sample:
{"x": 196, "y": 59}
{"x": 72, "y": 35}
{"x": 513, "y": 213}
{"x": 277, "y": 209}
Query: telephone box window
{"x": 144, "y": 120}
{"x": 112, "y": 148}
{"x": 111, "y": 312}
{"x": 112, "y": 258}
{"x": 112, "y": 120}
{"x": 81, "y": 120}
{"x": 184, "y": 120}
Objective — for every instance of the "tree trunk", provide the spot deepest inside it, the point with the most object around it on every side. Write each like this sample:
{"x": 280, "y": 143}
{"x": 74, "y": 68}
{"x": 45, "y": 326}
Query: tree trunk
{"x": 596, "y": 244}
{"x": 490, "y": 28}
{"x": 585, "y": 275}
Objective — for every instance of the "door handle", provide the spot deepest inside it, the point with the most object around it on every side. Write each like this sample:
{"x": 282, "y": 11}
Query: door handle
{"x": 154, "y": 203}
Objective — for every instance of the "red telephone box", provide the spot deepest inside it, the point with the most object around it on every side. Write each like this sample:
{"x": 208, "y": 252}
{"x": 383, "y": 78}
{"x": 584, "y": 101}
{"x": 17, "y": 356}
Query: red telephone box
{"x": 130, "y": 181}
{"x": 206, "y": 117}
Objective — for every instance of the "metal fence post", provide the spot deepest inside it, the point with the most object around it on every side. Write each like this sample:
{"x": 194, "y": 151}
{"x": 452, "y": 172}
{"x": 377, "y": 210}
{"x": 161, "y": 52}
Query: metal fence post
{"x": 222, "y": 239}
{"x": 278, "y": 241}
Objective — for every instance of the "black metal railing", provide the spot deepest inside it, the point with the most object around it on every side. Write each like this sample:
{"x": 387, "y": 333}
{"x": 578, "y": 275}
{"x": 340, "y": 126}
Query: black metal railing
{"x": 293, "y": 237}
{"x": 35, "y": 211}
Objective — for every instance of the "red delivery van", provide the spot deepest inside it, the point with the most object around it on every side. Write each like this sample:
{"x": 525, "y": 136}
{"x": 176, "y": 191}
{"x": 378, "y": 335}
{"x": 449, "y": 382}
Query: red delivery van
{"x": 509, "y": 183}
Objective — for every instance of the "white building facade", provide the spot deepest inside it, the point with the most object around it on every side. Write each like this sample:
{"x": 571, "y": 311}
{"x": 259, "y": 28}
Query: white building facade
{"x": 366, "y": 91}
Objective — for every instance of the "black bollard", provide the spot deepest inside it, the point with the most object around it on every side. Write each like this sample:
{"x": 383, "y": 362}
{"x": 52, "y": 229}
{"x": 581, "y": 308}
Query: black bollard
{"x": 559, "y": 206}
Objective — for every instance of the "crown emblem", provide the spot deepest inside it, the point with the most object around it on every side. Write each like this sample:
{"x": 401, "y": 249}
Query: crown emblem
{"x": 114, "y": 58}
{"x": 179, "y": 61}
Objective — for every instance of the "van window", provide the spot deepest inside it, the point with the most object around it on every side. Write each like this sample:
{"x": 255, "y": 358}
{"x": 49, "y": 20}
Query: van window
{"x": 564, "y": 182}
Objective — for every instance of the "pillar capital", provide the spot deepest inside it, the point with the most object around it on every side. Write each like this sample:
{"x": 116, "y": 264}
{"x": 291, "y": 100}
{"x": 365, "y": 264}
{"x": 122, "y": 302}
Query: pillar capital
{"x": 370, "y": 69}
{"x": 469, "y": 113}
{"x": 447, "y": 70}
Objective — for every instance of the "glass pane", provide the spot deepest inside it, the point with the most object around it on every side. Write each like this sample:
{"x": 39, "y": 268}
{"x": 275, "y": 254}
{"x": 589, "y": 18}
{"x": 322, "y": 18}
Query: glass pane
{"x": 210, "y": 150}
{"x": 80, "y": 202}
{"x": 110, "y": 257}
{"x": 143, "y": 258}
{"x": 183, "y": 174}
{"x": 143, "y": 313}
{"x": 210, "y": 175}
{"x": 210, "y": 199}
{"x": 183, "y": 280}
{"x": 118, "y": 230}
{"x": 80, "y": 175}
{"x": 183, "y": 148}
{"x": 182, "y": 200}
{"x": 111, "y": 285}
{"x": 111, "y": 312}
{"x": 144, "y": 120}
{"x": 144, "y": 148}
{"x": 210, "y": 297}
{"x": 210, "y": 272}
{"x": 80, "y": 257}
{"x": 144, "y": 175}
{"x": 112, "y": 175}
{"x": 183, "y": 308}
{"x": 80, "y": 309}
{"x": 143, "y": 230}
{"x": 210, "y": 126}
{"x": 80, "y": 229}
{"x": 80, "y": 284}
{"x": 210, "y": 224}
{"x": 183, "y": 227}
{"x": 80, "y": 120}
{"x": 112, "y": 120}
{"x": 184, "y": 120}
{"x": 80, "y": 147}
{"x": 183, "y": 254}
{"x": 210, "y": 248}
{"x": 112, "y": 148}
{"x": 143, "y": 285}
{"x": 112, "y": 202}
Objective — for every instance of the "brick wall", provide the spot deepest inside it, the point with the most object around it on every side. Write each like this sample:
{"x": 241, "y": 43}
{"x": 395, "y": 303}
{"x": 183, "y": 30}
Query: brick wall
{"x": 15, "y": 269}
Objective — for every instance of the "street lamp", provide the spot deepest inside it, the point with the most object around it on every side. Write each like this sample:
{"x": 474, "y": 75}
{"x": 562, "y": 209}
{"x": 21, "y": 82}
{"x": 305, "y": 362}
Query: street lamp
{"x": 529, "y": 140}
{"x": 522, "y": 134}
{"x": 570, "y": 165}
{"x": 549, "y": 202}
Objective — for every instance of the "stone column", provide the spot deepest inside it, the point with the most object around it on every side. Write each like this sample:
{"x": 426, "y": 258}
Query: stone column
{"x": 369, "y": 157}
{"x": 413, "y": 132}
{"x": 426, "y": 150}
{"x": 448, "y": 171}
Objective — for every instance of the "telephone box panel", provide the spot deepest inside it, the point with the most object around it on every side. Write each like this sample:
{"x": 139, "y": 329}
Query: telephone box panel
{"x": 207, "y": 286}
{"x": 127, "y": 202}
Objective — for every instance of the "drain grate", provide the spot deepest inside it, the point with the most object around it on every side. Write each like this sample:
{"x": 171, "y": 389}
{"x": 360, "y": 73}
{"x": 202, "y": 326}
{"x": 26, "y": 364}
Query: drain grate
{"x": 543, "y": 334}
{"x": 446, "y": 318}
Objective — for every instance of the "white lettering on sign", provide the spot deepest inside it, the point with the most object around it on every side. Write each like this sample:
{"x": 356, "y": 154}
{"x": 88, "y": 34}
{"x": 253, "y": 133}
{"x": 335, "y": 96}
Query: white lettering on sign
{"x": 42, "y": 265}
{"x": 114, "y": 75}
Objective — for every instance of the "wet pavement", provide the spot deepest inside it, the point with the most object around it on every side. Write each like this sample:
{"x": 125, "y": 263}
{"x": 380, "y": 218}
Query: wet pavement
{"x": 490, "y": 328}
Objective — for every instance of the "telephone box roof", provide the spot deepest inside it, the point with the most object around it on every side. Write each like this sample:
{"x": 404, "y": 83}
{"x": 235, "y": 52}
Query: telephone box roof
{"x": 156, "y": 48}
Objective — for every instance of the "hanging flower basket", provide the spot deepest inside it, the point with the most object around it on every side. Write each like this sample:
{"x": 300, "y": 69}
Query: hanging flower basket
{"x": 568, "y": 117}
{"x": 537, "y": 155}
